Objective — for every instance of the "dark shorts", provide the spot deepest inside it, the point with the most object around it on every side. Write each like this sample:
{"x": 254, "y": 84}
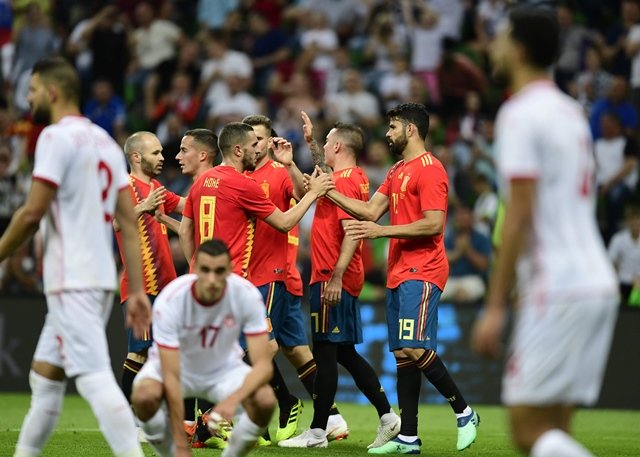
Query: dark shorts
{"x": 134, "y": 344}
{"x": 335, "y": 324}
{"x": 412, "y": 315}
{"x": 284, "y": 315}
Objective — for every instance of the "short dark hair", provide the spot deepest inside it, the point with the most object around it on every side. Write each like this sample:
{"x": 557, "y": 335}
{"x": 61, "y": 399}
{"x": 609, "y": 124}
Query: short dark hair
{"x": 413, "y": 113}
{"x": 351, "y": 135}
{"x": 59, "y": 71}
{"x": 207, "y": 139}
{"x": 537, "y": 30}
{"x": 214, "y": 248}
{"x": 258, "y": 119}
{"x": 231, "y": 134}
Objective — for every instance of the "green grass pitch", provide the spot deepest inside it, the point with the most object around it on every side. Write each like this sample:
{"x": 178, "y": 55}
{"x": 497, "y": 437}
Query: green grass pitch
{"x": 605, "y": 432}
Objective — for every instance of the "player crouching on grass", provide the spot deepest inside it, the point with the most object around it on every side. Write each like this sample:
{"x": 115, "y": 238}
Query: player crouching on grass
{"x": 197, "y": 320}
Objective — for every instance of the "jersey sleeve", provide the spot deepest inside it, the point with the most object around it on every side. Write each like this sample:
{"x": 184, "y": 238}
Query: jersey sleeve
{"x": 188, "y": 204}
{"x": 52, "y": 157}
{"x": 433, "y": 189}
{"x": 253, "y": 200}
{"x": 386, "y": 184}
{"x": 171, "y": 202}
{"x": 254, "y": 319}
{"x": 166, "y": 321}
{"x": 518, "y": 155}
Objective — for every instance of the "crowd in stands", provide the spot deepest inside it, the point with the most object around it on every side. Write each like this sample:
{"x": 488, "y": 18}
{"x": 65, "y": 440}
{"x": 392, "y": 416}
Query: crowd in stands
{"x": 170, "y": 65}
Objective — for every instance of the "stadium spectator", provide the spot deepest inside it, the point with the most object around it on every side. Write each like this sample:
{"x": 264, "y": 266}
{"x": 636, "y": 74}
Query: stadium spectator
{"x": 107, "y": 110}
{"x": 624, "y": 252}
{"x": 353, "y": 104}
{"x": 616, "y": 101}
{"x": 617, "y": 171}
{"x": 468, "y": 253}
{"x": 592, "y": 83}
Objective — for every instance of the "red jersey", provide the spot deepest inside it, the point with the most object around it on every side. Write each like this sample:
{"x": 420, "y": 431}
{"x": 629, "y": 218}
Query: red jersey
{"x": 224, "y": 204}
{"x": 293, "y": 282}
{"x": 327, "y": 232}
{"x": 268, "y": 261}
{"x": 157, "y": 262}
{"x": 413, "y": 187}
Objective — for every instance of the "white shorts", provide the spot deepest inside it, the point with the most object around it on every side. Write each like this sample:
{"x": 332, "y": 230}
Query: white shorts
{"x": 213, "y": 388}
{"x": 559, "y": 352}
{"x": 73, "y": 336}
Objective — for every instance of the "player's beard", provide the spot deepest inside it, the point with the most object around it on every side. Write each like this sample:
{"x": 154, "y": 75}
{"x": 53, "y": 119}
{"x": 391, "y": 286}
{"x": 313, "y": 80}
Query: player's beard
{"x": 148, "y": 169}
{"x": 41, "y": 114}
{"x": 397, "y": 146}
{"x": 249, "y": 162}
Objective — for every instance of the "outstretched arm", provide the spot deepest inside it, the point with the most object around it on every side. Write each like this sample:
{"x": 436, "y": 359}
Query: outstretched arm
{"x": 367, "y": 211}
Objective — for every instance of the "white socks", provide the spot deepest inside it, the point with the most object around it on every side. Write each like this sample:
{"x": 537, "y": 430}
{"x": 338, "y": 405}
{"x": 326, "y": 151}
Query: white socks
{"x": 46, "y": 403}
{"x": 243, "y": 438}
{"x": 158, "y": 432}
{"x": 111, "y": 409}
{"x": 556, "y": 443}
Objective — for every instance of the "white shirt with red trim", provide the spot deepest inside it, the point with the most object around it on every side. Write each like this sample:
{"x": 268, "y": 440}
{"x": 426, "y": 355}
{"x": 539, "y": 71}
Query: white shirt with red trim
{"x": 206, "y": 334}
{"x": 88, "y": 169}
{"x": 542, "y": 134}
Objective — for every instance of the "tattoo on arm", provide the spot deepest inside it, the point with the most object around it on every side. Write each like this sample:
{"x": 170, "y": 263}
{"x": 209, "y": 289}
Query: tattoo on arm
{"x": 317, "y": 156}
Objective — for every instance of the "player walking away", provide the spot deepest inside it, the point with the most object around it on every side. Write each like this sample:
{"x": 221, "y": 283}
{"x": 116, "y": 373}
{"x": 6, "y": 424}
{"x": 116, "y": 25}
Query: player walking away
{"x": 337, "y": 277}
{"x": 567, "y": 290}
{"x": 197, "y": 320}
{"x": 281, "y": 181}
{"x": 415, "y": 192}
{"x": 144, "y": 154}
{"x": 79, "y": 185}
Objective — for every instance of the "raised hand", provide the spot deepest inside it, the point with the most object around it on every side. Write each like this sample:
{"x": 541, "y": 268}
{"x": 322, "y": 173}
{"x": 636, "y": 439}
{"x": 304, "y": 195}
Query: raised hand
{"x": 154, "y": 199}
{"x": 307, "y": 127}
{"x": 282, "y": 150}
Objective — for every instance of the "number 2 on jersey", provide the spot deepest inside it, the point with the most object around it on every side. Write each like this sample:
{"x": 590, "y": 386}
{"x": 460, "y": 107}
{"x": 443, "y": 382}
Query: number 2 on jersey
{"x": 106, "y": 178}
{"x": 207, "y": 217}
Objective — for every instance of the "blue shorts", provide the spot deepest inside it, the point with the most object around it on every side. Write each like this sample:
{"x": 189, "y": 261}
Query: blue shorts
{"x": 134, "y": 344}
{"x": 412, "y": 315}
{"x": 284, "y": 315}
{"x": 335, "y": 324}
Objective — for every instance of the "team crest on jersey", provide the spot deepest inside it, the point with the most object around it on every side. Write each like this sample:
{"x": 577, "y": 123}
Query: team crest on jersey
{"x": 229, "y": 321}
{"x": 265, "y": 188}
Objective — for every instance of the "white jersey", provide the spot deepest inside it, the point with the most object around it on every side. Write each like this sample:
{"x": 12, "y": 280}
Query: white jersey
{"x": 542, "y": 134}
{"x": 88, "y": 169}
{"x": 207, "y": 335}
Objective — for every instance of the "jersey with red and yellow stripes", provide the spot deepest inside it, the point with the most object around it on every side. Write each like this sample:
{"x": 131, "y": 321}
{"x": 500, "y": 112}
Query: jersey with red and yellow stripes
{"x": 157, "y": 263}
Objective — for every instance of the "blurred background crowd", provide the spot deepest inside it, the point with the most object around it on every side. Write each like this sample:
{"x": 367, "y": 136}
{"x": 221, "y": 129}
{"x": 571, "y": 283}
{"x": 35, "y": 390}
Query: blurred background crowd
{"x": 170, "y": 65}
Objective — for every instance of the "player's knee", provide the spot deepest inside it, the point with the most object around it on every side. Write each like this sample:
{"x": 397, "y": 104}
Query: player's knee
{"x": 146, "y": 399}
{"x": 524, "y": 437}
{"x": 260, "y": 405}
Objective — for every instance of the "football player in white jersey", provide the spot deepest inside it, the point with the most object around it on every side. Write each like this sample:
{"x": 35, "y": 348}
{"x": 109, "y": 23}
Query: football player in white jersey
{"x": 566, "y": 286}
{"x": 79, "y": 185}
{"x": 197, "y": 320}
